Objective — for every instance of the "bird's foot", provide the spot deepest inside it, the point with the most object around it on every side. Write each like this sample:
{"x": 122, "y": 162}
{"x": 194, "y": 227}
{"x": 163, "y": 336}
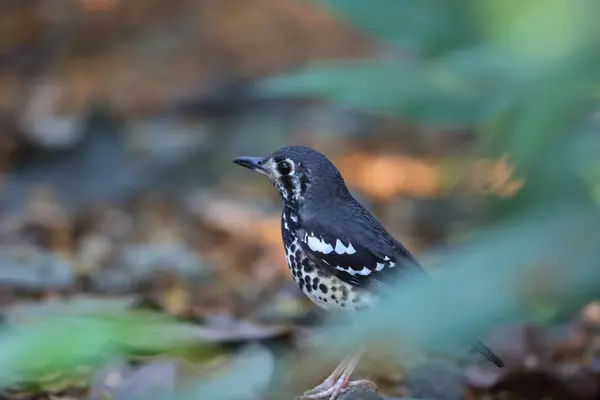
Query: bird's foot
{"x": 333, "y": 388}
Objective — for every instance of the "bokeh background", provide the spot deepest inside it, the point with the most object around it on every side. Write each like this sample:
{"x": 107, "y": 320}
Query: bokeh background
{"x": 135, "y": 256}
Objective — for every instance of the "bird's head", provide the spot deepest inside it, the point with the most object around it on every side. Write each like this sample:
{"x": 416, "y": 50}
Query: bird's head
{"x": 299, "y": 173}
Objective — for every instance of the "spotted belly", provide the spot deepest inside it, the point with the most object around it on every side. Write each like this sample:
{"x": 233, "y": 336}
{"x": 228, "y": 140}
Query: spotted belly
{"x": 323, "y": 288}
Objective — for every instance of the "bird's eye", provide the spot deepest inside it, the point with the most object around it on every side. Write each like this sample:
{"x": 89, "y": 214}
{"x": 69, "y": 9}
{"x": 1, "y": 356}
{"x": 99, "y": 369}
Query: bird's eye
{"x": 284, "y": 167}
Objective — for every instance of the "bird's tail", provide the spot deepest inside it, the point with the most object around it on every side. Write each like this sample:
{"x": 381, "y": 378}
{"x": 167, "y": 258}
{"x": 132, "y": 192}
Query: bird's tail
{"x": 488, "y": 354}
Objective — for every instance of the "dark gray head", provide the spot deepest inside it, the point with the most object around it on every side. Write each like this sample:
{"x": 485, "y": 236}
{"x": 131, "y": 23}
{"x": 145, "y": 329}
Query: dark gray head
{"x": 299, "y": 173}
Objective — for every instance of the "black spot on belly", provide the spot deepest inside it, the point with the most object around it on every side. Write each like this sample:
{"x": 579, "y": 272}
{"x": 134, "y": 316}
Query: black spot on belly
{"x": 344, "y": 293}
{"x": 293, "y": 260}
{"x": 301, "y": 281}
{"x": 307, "y": 280}
{"x": 323, "y": 288}
{"x": 308, "y": 267}
{"x": 323, "y": 273}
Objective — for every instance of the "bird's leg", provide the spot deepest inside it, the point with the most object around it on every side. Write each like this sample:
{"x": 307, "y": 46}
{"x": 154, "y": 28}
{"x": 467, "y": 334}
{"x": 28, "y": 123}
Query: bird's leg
{"x": 332, "y": 378}
{"x": 339, "y": 380}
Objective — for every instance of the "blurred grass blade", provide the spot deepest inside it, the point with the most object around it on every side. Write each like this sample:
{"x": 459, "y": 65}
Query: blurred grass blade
{"x": 556, "y": 45}
{"x": 425, "y": 27}
{"x": 62, "y": 344}
{"x": 436, "y": 93}
{"x": 539, "y": 31}
{"x": 532, "y": 267}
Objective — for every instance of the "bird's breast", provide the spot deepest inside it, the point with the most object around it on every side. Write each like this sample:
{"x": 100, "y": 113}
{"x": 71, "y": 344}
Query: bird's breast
{"x": 321, "y": 286}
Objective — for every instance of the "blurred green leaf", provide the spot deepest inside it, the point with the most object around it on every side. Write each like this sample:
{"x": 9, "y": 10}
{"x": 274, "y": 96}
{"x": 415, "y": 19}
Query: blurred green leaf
{"x": 434, "y": 93}
{"x": 527, "y": 80}
{"x": 530, "y": 267}
{"x": 426, "y": 27}
{"x": 63, "y": 344}
{"x": 539, "y": 31}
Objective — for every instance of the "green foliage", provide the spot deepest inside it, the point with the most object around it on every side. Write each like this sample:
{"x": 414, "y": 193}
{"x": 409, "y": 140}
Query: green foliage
{"x": 521, "y": 74}
{"x": 523, "y": 70}
{"x": 411, "y": 25}
{"x": 61, "y": 344}
{"x": 435, "y": 93}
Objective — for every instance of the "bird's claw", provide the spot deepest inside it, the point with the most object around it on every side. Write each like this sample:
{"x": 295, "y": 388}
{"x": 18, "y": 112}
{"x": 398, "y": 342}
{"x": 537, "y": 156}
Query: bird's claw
{"x": 332, "y": 388}
{"x": 325, "y": 385}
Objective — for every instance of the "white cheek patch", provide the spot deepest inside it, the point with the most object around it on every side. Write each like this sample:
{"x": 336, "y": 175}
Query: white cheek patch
{"x": 282, "y": 191}
{"x": 341, "y": 249}
{"x": 296, "y": 186}
{"x": 319, "y": 245}
{"x": 269, "y": 167}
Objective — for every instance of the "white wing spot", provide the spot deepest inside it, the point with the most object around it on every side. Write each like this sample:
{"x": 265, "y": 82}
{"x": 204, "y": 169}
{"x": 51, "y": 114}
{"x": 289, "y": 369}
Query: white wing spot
{"x": 294, "y": 218}
{"x": 380, "y": 266}
{"x": 340, "y": 248}
{"x": 392, "y": 265}
{"x": 317, "y": 244}
{"x": 365, "y": 271}
{"x": 348, "y": 270}
{"x": 386, "y": 258}
{"x": 350, "y": 249}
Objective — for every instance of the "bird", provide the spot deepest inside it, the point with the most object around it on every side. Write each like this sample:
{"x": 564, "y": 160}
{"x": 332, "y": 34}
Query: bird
{"x": 338, "y": 253}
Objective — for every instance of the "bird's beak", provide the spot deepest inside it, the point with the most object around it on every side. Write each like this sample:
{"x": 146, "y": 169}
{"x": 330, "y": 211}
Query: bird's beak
{"x": 253, "y": 163}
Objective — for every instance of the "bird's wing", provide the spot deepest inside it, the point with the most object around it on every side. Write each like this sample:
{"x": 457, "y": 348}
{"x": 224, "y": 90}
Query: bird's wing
{"x": 363, "y": 254}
